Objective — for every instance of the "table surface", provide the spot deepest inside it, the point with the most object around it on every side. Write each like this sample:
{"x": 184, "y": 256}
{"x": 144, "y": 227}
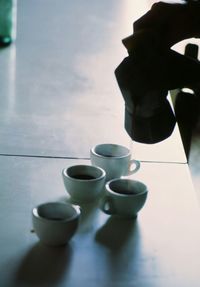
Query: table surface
{"x": 160, "y": 248}
{"x": 57, "y": 82}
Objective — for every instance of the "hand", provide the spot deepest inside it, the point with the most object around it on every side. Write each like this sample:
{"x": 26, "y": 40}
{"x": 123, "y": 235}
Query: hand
{"x": 171, "y": 23}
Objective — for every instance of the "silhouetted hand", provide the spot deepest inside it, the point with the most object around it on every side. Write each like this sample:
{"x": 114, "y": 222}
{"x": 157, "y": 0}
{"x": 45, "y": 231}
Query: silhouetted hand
{"x": 170, "y": 23}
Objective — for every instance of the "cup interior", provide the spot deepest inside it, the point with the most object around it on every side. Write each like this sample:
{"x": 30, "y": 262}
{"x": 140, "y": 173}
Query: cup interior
{"x": 111, "y": 150}
{"x": 84, "y": 172}
{"x": 126, "y": 187}
{"x": 56, "y": 211}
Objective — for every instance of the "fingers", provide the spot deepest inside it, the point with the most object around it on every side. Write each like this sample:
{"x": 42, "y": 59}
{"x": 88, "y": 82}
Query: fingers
{"x": 150, "y": 27}
{"x": 170, "y": 23}
{"x": 142, "y": 40}
{"x": 154, "y": 18}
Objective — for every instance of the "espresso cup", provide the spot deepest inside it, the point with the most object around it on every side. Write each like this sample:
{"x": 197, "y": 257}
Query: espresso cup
{"x": 84, "y": 183}
{"x": 55, "y": 223}
{"x": 114, "y": 159}
{"x": 124, "y": 197}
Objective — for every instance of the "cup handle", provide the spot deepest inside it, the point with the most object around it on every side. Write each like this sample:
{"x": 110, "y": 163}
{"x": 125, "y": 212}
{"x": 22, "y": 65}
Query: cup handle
{"x": 137, "y": 166}
{"x": 107, "y": 205}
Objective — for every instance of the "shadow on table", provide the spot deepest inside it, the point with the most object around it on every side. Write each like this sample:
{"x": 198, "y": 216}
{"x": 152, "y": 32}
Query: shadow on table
{"x": 123, "y": 240}
{"x": 89, "y": 217}
{"x": 44, "y": 265}
{"x": 118, "y": 233}
{"x": 89, "y": 214}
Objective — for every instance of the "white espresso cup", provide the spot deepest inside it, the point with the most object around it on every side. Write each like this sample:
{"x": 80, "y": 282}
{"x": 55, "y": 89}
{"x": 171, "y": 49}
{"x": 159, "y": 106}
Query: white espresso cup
{"x": 55, "y": 223}
{"x": 114, "y": 159}
{"x": 124, "y": 197}
{"x": 84, "y": 183}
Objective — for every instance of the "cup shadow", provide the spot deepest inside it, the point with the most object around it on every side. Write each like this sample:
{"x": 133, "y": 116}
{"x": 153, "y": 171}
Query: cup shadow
{"x": 89, "y": 215}
{"x": 123, "y": 240}
{"x": 44, "y": 265}
{"x": 117, "y": 233}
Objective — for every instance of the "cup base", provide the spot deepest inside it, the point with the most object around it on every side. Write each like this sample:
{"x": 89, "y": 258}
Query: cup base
{"x": 5, "y": 41}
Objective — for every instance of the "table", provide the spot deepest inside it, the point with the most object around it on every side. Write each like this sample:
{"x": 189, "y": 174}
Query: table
{"x": 57, "y": 83}
{"x": 160, "y": 248}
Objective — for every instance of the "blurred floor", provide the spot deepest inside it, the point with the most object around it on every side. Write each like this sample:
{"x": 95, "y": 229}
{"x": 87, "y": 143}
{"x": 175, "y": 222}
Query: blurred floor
{"x": 194, "y": 159}
{"x": 189, "y": 117}
{"x": 187, "y": 109}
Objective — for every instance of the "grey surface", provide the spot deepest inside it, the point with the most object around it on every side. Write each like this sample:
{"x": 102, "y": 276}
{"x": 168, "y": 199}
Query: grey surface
{"x": 160, "y": 248}
{"x": 58, "y": 93}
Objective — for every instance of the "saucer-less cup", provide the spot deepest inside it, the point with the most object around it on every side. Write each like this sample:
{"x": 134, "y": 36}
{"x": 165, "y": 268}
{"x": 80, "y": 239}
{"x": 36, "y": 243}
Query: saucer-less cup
{"x": 55, "y": 223}
{"x": 8, "y": 19}
{"x": 124, "y": 197}
{"x": 84, "y": 183}
{"x": 114, "y": 159}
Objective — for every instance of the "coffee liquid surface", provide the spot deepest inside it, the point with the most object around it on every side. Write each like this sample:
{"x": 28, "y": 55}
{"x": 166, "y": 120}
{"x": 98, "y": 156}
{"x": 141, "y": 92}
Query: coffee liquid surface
{"x": 83, "y": 176}
{"x": 56, "y": 218}
{"x": 108, "y": 155}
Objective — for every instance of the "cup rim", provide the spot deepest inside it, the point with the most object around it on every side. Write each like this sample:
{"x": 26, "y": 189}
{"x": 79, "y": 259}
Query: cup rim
{"x": 76, "y": 215}
{"x": 103, "y": 173}
{"x": 125, "y": 195}
{"x": 112, "y": 144}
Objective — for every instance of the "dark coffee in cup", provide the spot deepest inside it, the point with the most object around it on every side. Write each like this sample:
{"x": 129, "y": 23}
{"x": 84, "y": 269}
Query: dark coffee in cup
{"x": 122, "y": 187}
{"x": 55, "y": 218}
{"x": 83, "y": 176}
{"x": 56, "y": 215}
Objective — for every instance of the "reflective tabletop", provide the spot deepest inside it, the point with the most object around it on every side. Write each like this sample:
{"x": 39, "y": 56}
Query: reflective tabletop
{"x": 159, "y": 248}
{"x": 58, "y": 94}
